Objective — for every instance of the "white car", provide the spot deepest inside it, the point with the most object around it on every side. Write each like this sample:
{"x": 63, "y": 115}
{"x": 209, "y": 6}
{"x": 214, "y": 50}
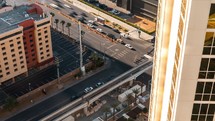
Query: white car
{"x": 91, "y": 21}
{"x": 88, "y": 89}
{"x": 124, "y": 35}
{"x": 114, "y": 11}
{"x": 99, "y": 29}
{"x": 128, "y": 46}
{"x": 91, "y": 25}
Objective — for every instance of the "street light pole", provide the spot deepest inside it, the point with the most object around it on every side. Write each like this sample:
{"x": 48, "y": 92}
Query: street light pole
{"x": 81, "y": 33}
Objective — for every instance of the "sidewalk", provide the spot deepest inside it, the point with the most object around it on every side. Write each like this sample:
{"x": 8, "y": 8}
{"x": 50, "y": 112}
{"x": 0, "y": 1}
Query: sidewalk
{"x": 135, "y": 35}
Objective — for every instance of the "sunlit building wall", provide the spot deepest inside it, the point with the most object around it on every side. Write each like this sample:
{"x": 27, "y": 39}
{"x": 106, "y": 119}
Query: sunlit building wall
{"x": 183, "y": 82}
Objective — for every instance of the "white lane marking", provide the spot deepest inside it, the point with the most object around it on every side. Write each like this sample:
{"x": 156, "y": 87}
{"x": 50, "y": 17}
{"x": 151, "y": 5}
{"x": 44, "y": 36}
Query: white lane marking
{"x": 111, "y": 46}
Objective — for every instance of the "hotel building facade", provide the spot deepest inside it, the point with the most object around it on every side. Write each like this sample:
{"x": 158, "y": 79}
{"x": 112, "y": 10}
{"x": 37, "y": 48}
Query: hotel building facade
{"x": 25, "y": 41}
{"x": 183, "y": 78}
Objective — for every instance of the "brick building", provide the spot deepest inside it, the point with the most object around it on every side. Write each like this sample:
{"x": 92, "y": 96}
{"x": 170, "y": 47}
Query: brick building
{"x": 25, "y": 41}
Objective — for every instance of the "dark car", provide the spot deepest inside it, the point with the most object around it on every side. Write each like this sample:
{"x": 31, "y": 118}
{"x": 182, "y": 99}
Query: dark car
{"x": 116, "y": 30}
{"x": 111, "y": 36}
{"x": 103, "y": 6}
{"x": 82, "y": 20}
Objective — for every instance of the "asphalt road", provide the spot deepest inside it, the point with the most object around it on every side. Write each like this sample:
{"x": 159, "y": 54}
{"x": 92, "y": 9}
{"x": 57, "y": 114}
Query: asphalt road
{"x": 94, "y": 40}
{"x": 63, "y": 98}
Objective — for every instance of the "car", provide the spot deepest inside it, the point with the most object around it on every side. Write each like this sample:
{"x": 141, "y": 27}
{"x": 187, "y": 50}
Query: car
{"x": 114, "y": 11}
{"x": 119, "y": 40}
{"x": 116, "y": 30}
{"x": 104, "y": 33}
{"x": 128, "y": 46}
{"x": 99, "y": 84}
{"x": 91, "y": 21}
{"x": 99, "y": 29}
{"x": 124, "y": 35}
{"x": 111, "y": 36}
{"x": 91, "y": 25}
{"x": 88, "y": 89}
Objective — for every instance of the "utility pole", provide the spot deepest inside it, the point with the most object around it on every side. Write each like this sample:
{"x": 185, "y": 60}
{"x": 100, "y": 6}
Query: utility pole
{"x": 81, "y": 33}
{"x": 57, "y": 62}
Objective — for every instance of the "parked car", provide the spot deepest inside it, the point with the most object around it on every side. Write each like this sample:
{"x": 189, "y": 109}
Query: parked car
{"x": 111, "y": 36}
{"x": 88, "y": 89}
{"x": 128, "y": 46}
{"x": 91, "y": 21}
{"x": 124, "y": 35}
{"x": 116, "y": 30}
{"x": 99, "y": 84}
{"x": 114, "y": 11}
{"x": 99, "y": 29}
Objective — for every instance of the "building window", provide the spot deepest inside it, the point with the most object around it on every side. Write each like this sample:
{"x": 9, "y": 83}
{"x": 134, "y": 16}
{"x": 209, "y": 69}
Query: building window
{"x": 14, "y": 60}
{"x": 5, "y": 58}
{"x": 20, "y": 52}
{"x": 7, "y": 68}
{"x": 2, "y": 43}
{"x": 32, "y": 50}
{"x": 20, "y": 47}
{"x": 41, "y": 53}
{"x": 47, "y": 46}
{"x": 15, "y": 70}
{"x": 11, "y": 41}
{"x": 21, "y": 62}
{"x": 40, "y": 43}
{"x": 207, "y": 70}
{"x": 45, "y": 31}
{"x": 46, "y": 41}
{"x": 39, "y": 34}
{"x": 11, "y": 45}
{"x": 33, "y": 59}
{"x": 23, "y": 66}
{"x": 32, "y": 45}
{"x": 6, "y": 63}
{"x": 14, "y": 65}
{"x": 211, "y": 23}
{"x": 3, "y": 48}
{"x": 46, "y": 36}
{"x": 4, "y": 53}
{"x": 47, "y": 50}
{"x": 42, "y": 58}
{"x": 31, "y": 40}
{"x": 40, "y": 39}
{"x": 33, "y": 55}
{"x": 41, "y": 48}
{"x": 19, "y": 42}
{"x": 12, "y": 50}
{"x": 48, "y": 55}
{"x": 18, "y": 38}
{"x": 1, "y": 76}
{"x": 30, "y": 36}
{"x": 21, "y": 57}
{"x": 8, "y": 73}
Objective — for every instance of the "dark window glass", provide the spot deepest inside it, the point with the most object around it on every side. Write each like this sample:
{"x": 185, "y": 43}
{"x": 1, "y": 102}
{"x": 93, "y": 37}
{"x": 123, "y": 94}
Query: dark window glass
{"x": 30, "y": 35}
{"x": 4, "y": 53}
{"x": 3, "y": 48}
{"x": 212, "y": 65}
{"x": 213, "y": 51}
{"x": 196, "y": 108}
{"x": 210, "y": 75}
{"x": 7, "y": 68}
{"x": 194, "y": 117}
{"x": 19, "y": 47}
{"x": 31, "y": 40}
{"x": 12, "y": 50}
{"x": 8, "y": 73}
{"x": 11, "y": 35}
{"x": 212, "y": 97}
{"x": 202, "y": 75}
{"x": 206, "y": 97}
{"x": 22, "y": 66}
{"x": 209, "y": 118}
{"x": 206, "y": 50}
{"x": 200, "y": 86}
{"x": 44, "y": 23}
{"x": 204, "y": 64}
{"x": 204, "y": 108}
{"x": 213, "y": 91}
{"x": 208, "y": 87}
{"x": 18, "y": 42}
{"x": 208, "y": 39}
{"x": 211, "y": 109}
{"x": 5, "y": 58}
{"x": 11, "y": 45}
{"x": 202, "y": 118}
{"x": 198, "y": 97}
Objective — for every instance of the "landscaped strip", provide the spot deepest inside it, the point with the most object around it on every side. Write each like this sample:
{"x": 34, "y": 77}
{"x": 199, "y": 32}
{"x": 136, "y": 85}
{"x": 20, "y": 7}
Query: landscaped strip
{"x": 116, "y": 17}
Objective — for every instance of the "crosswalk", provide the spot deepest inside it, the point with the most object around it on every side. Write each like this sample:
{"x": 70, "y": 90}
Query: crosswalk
{"x": 121, "y": 54}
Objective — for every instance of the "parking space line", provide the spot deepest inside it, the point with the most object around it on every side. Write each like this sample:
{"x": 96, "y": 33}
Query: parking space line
{"x": 111, "y": 46}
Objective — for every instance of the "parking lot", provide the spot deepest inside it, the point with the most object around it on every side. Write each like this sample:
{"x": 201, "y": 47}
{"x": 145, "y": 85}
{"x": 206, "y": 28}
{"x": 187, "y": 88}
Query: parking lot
{"x": 68, "y": 54}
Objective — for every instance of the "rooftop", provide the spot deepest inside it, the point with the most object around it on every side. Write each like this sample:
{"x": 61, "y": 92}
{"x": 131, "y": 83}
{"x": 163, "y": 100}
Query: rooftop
{"x": 9, "y": 20}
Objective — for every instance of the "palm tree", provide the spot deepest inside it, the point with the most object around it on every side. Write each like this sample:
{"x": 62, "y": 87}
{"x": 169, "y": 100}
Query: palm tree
{"x": 56, "y": 22}
{"x": 68, "y": 25}
{"x": 114, "y": 105}
{"x": 106, "y": 110}
{"x": 52, "y": 14}
{"x": 10, "y": 103}
{"x": 136, "y": 92}
{"x": 62, "y": 22}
